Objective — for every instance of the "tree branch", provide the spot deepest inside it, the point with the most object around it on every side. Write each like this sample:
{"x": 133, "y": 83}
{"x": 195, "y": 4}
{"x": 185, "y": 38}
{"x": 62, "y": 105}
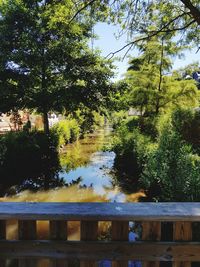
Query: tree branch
{"x": 81, "y": 9}
{"x": 194, "y": 11}
{"x": 168, "y": 30}
{"x": 149, "y": 36}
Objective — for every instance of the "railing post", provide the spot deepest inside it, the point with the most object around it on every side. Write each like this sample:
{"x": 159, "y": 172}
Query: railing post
{"x": 120, "y": 233}
{"x": 151, "y": 231}
{"x": 58, "y": 231}
{"x": 2, "y": 237}
{"x": 89, "y": 232}
{"x": 27, "y": 231}
{"x": 182, "y": 231}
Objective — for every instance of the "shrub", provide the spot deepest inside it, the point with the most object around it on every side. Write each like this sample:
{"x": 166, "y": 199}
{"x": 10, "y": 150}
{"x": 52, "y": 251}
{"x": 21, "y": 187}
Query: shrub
{"x": 172, "y": 171}
{"x": 74, "y": 130}
{"x": 66, "y": 130}
{"x": 89, "y": 121}
{"x": 116, "y": 118}
{"x": 131, "y": 148}
{"x": 186, "y": 122}
{"x": 147, "y": 126}
{"x": 28, "y": 156}
{"x": 98, "y": 120}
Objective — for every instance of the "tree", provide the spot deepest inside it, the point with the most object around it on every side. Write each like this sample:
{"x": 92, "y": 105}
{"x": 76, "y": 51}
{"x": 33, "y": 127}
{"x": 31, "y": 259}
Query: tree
{"x": 151, "y": 88}
{"x": 136, "y": 18}
{"x": 46, "y": 63}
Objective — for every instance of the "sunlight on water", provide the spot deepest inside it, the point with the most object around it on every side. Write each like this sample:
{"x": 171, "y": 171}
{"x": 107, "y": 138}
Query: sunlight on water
{"x": 96, "y": 173}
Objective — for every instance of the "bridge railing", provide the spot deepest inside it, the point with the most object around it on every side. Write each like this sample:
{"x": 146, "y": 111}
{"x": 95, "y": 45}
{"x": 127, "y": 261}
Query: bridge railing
{"x": 152, "y": 249}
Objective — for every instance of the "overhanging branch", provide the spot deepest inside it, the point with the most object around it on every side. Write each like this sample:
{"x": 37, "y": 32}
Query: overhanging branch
{"x": 81, "y": 9}
{"x": 149, "y": 36}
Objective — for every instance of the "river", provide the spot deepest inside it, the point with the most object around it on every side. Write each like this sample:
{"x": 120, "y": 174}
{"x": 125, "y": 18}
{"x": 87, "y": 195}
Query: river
{"x": 86, "y": 163}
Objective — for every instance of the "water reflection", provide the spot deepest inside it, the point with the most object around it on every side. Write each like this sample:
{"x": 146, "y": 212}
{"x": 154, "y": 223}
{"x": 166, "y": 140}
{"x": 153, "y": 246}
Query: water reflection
{"x": 86, "y": 160}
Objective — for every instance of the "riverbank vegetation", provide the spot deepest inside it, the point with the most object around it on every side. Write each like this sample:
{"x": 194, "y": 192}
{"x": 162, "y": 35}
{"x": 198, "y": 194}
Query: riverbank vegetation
{"x": 29, "y": 160}
{"x": 157, "y": 145}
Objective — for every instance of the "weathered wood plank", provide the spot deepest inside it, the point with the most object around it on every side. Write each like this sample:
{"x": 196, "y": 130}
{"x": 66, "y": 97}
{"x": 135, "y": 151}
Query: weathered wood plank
{"x": 2, "y": 237}
{"x": 182, "y": 231}
{"x": 27, "y": 231}
{"x": 98, "y": 250}
{"x": 89, "y": 232}
{"x": 101, "y": 211}
{"x": 58, "y": 231}
{"x": 151, "y": 231}
{"x": 120, "y": 233}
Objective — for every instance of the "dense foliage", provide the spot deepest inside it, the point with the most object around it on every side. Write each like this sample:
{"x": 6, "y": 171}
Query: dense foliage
{"x": 29, "y": 159}
{"x": 159, "y": 147}
{"x": 168, "y": 166}
{"x": 131, "y": 148}
{"x": 151, "y": 90}
{"x": 67, "y": 131}
{"x": 172, "y": 171}
{"x": 143, "y": 20}
{"x": 45, "y": 60}
{"x": 72, "y": 128}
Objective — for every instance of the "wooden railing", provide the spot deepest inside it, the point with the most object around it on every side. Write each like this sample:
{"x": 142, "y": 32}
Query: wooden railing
{"x": 150, "y": 250}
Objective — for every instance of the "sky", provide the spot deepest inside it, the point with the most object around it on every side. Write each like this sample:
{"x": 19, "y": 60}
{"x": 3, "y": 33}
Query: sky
{"x": 108, "y": 43}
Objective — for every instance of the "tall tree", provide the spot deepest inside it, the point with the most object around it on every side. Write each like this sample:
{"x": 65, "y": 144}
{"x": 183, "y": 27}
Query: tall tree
{"x": 46, "y": 63}
{"x": 151, "y": 88}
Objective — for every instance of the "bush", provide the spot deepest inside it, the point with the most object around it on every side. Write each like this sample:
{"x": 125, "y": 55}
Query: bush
{"x": 170, "y": 168}
{"x": 74, "y": 130}
{"x": 186, "y": 122}
{"x": 62, "y": 131}
{"x": 89, "y": 121}
{"x": 70, "y": 129}
{"x": 116, "y": 118}
{"x": 28, "y": 156}
{"x": 172, "y": 171}
{"x": 131, "y": 148}
{"x": 67, "y": 131}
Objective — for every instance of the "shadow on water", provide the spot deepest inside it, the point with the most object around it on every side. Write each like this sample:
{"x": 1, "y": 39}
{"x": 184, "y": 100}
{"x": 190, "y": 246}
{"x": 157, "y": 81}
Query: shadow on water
{"x": 28, "y": 161}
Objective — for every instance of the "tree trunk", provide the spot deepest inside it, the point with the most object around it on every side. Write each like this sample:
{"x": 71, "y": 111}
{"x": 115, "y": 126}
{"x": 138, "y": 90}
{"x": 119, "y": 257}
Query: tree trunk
{"x": 194, "y": 10}
{"x": 160, "y": 77}
{"x": 46, "y": 123}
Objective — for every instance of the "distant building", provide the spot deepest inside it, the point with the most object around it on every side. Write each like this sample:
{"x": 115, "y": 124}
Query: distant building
{"x": 188, "y": 77}
{"x": 196, "y": 76}
{"x": 4, "y": 125}
{"x": 134, "y": 112}
{"x": 53, "y": 119}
